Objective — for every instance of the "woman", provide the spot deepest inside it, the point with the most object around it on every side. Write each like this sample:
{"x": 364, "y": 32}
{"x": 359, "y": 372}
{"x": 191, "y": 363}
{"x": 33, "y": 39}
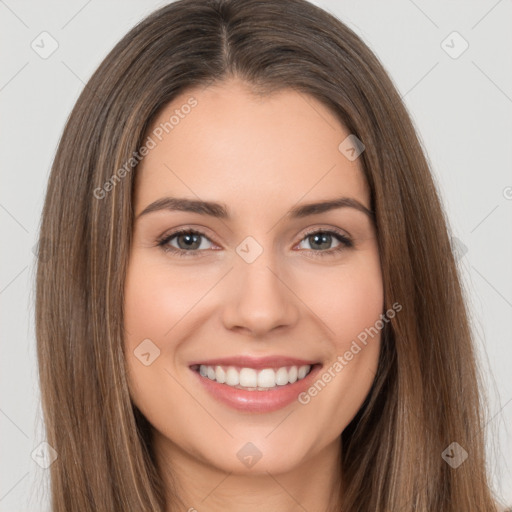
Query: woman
{"x": 249, "y": 299}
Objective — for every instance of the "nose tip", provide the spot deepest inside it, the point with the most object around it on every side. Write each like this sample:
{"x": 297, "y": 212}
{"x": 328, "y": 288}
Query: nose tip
{"x": 259, "y": 301}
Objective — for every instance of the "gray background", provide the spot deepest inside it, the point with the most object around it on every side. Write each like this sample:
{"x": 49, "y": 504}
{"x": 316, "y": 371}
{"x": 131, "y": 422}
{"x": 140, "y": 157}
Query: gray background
{"x": 461, "y": 107}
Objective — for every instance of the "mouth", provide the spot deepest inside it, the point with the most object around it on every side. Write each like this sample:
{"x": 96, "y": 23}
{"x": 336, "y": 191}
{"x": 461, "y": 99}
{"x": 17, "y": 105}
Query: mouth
{"x": 252, "y": 379}
{"x": 256, "y": 384}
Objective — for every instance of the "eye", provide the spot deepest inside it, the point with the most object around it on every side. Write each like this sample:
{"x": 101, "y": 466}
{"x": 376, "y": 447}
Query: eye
{"x": 189, "y": 242}
{"x": 320, "y": 241}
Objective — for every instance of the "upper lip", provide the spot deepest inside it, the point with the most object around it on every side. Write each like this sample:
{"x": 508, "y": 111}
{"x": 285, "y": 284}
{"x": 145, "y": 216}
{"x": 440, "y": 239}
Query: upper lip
{"x": 255, "y": 362}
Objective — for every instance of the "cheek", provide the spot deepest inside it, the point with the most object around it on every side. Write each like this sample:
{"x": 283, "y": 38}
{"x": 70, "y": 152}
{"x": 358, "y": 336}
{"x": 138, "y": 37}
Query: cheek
{"x": 152, "y": 306}
{"x": 159, "y": 306}
{"x": 352, "y": 307}
{"x": 157, "y": 298}
{"x": 154, "y": 302}
{"x": 359, "y": 305}
{"x": 351, "y": 300}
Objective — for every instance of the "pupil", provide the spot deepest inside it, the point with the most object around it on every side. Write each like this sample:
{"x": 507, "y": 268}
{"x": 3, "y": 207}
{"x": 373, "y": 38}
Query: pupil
{"x": 321, "y": 239}
{"x": 191, "y": 239}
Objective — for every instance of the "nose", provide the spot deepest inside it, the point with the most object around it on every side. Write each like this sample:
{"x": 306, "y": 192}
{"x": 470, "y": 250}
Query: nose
{"x": 258, "y": 300}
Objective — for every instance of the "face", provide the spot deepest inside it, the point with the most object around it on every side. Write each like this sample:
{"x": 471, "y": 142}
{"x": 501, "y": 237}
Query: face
{"x": 244, "y": 319}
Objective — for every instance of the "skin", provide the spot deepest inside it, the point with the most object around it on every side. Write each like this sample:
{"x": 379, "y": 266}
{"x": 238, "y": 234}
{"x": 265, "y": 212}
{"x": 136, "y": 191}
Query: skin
{"x": 261, "y": 157}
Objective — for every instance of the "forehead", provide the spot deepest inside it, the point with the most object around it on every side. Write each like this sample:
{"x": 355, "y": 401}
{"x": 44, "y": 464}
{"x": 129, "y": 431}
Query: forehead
{"x": 224, "y": 142}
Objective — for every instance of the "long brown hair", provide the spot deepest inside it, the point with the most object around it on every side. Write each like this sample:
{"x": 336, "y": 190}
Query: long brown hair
{"x": 426, "y": 394}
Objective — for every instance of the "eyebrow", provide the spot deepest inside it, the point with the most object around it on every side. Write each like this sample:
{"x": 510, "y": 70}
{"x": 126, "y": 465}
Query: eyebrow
{"x": 220, "y": 211}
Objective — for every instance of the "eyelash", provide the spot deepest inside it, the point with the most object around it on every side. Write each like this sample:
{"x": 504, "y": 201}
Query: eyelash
{"x": 345, "y": 243}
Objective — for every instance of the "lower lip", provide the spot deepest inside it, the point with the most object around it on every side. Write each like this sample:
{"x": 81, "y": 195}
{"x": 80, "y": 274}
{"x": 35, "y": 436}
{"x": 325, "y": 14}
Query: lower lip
{"x": 274, "y": 399}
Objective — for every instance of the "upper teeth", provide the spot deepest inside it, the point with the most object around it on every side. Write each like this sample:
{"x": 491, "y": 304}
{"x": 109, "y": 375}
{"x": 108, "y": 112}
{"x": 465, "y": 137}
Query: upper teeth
{"x": 251, "y": 378}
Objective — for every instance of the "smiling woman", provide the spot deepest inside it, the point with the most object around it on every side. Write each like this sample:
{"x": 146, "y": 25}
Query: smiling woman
{"x": 242, "y": 335}
{"x": 247, "y": 321}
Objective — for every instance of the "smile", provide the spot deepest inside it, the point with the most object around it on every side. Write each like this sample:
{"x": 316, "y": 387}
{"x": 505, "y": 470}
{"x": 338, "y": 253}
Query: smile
{"x": 255, "y": 385}
{"x": 254, "y": 380}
